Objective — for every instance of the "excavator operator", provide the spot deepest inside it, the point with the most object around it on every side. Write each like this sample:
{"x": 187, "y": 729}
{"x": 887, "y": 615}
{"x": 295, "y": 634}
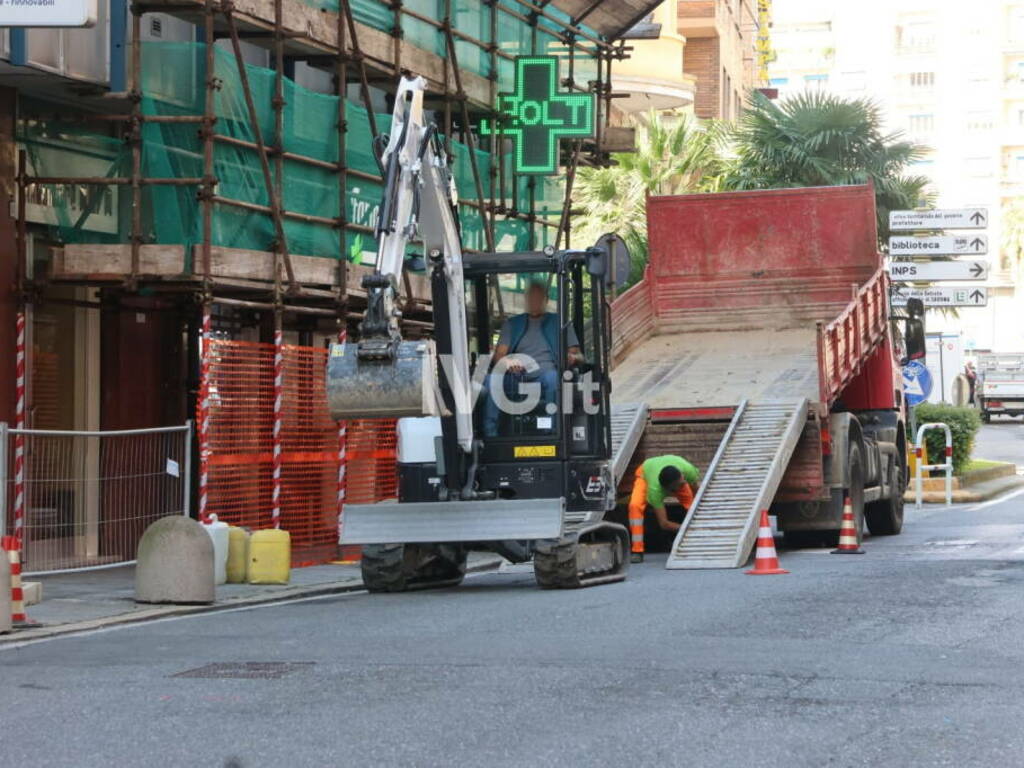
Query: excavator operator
{"x": 657, "y": 478}
{"x": 532, "y": 336}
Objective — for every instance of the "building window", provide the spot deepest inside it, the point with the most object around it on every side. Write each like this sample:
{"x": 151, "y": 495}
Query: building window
{"x": 922, "y": 80}
{"x": 915, "y": 37}
{"x": 855, "y": 81}
{"x": 979, "y": 122}
{"x": 922, "y": 123}
{"x": 1015, "y": 29}
{"x": 1017, "y": 166}
{"x": 778, "y": 82}
{"x": 815, "y": 82}
{"x": 978, "y": 167}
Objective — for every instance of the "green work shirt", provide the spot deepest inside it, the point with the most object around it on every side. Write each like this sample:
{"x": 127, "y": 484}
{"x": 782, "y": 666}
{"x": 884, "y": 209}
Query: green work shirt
{"x": 652, "y": 468}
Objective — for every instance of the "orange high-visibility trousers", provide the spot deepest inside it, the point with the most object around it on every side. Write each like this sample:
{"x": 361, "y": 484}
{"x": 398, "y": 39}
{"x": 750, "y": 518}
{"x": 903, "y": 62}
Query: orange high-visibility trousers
{"x": 638, "y": 507}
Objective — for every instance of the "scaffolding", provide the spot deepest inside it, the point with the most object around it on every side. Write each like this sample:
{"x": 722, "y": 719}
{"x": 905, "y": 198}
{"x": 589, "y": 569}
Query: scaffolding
{"x": 328, "y": 39}
{"x": 364, "y": 45}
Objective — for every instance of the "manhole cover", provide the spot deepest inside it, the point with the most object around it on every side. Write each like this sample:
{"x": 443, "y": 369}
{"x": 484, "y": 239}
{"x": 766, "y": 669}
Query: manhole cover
{"x": 245, "y": 670}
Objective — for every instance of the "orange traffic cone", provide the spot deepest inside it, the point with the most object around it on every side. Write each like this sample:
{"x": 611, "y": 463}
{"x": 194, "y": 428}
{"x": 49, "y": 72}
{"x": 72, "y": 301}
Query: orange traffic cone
{"x": 766, "y": 562}
{"x": 848, "y": 532}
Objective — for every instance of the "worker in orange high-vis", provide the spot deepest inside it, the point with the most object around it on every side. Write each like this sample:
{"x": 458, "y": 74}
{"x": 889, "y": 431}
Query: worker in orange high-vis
{"x": 657, "y": 478}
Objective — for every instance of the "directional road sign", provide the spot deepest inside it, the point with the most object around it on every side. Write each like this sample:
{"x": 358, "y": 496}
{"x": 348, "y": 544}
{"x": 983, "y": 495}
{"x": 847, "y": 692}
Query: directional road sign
{"x": 942, "y": 297}
{"x": 942, "y": 218}
{"x": 928, "y": 271}
{"x": 917, "y": 382}
{"x": 938, "y": 245}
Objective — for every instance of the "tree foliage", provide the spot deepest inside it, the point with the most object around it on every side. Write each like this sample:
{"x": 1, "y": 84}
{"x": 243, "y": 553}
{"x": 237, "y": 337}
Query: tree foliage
{"x": 1012, "y": 250}
{"x": 671, "y": 158}
{"x": 818, "y": 139}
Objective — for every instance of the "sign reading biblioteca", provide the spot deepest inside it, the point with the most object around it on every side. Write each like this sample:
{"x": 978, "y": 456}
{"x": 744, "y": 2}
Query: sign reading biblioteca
{"x": 537, "y": 116}
{"x": 47, "y": 13}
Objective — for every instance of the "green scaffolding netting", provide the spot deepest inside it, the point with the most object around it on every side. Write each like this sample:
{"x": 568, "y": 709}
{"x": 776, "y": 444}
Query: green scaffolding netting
{"x": 173, "y": 83}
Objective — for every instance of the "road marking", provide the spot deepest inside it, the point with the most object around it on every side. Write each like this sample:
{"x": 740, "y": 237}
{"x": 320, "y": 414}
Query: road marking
{"x": 997, "y": 500}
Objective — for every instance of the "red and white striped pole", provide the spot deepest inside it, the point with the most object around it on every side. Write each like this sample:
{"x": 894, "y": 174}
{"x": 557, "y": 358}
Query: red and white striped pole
{"x": 19, "y": 439}
{"x": 204, "y": 412}
{"x": 342, "y": 447}
{"x": 278, "y": 404}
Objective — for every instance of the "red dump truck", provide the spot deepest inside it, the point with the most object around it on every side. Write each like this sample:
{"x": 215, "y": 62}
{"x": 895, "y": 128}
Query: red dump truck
{"x": 761, "y": 343}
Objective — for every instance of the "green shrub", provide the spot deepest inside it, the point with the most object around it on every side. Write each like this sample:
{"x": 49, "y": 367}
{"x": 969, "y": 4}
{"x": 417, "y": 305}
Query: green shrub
{"x": 964, "y": 423}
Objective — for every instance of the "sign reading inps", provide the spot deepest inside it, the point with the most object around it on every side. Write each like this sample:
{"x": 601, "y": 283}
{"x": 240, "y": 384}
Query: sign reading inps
{"x": 537, "y": 116}
{"x": 48, "y": 13}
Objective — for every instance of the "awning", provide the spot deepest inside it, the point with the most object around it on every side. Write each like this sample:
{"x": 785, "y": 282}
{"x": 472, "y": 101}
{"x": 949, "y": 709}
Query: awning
{"x": 609, "y": 18}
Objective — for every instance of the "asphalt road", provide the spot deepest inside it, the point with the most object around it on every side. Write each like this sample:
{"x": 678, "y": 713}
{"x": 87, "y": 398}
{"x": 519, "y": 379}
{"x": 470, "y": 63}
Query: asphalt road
{"x": 1001, "y": 440}
{"x": 908, "y": 655}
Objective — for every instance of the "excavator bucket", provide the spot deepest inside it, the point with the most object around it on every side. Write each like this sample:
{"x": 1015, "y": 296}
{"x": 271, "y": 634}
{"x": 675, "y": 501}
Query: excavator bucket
{"x": 387, "y": 388}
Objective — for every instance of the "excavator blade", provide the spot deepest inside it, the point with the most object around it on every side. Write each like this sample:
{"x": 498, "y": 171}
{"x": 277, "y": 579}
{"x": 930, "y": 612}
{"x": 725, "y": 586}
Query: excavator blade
{"x": 387, "y": 388}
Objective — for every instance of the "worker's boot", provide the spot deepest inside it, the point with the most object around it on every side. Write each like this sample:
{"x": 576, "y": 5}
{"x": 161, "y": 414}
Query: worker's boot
{"x": 636, "y": 557}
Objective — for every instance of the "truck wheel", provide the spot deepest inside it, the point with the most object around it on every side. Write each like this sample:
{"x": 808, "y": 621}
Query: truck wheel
{"x": 885, "y": 517}
{"x": 401, "y": 567}
{"x": 856, "y": 492}
{"x": 986, "y": 417}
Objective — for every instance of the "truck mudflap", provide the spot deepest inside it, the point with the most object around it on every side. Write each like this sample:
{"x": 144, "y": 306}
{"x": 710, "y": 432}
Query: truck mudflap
{"x": 455, "y": 521}
{"x": 596, "y": 554}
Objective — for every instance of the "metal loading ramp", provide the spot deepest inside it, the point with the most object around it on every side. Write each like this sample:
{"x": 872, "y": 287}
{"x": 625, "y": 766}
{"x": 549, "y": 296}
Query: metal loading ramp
{"x": 741, "y": 481}
{"x": 628, "y": 421}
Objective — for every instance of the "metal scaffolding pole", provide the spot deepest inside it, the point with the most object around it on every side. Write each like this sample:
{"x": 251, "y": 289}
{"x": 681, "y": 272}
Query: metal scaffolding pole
{"x": 275, "y": 201}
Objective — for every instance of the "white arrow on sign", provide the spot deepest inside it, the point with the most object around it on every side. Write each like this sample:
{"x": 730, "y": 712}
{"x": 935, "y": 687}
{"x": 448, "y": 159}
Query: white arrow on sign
{"x": 942, "y": 297}
{"x": 938, "y": 245}
{"x": 953, "y": 218}
{"x": 927, "y": 271}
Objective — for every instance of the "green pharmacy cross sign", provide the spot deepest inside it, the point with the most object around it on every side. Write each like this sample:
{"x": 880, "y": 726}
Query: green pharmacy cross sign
{"x": 536, "y": 116}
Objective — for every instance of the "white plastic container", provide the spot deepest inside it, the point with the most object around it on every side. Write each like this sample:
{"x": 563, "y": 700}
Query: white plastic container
{"x": 219, "y": 533}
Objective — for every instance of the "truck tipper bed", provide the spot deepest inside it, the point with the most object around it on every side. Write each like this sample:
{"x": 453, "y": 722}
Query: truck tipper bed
{"x": 759, "y": 342}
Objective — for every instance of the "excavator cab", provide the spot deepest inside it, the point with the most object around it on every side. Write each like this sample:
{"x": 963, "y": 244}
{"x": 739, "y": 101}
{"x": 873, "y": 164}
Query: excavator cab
{"x": 539, "y": 346}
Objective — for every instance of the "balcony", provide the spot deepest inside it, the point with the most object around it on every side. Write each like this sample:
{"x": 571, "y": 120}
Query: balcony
{"x": 700, "y": 18}
{"x": 653, "y": 76}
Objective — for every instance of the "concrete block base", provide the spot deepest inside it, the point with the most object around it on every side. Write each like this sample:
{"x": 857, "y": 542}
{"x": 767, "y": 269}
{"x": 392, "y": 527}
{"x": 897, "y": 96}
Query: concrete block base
{"x": 32, "y": 591}
{"x": 175, "y": 563}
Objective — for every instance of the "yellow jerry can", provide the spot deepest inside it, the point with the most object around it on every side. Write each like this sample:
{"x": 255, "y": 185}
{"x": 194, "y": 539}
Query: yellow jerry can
{"x": 238, "y": 554}
{"x": 270, "y": 557}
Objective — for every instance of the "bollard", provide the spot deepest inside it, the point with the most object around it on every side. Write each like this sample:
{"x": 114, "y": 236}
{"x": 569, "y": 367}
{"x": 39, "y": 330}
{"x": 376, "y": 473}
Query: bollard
{"x": 174, "y": 563}
{"x": 921, "y": 466}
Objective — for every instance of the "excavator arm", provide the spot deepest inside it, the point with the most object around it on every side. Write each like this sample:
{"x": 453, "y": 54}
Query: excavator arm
{"x": 382, "y": 375}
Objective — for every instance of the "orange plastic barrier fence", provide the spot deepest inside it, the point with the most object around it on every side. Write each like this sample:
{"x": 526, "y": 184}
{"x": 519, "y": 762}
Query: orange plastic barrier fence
{"x": 241, "y": 414}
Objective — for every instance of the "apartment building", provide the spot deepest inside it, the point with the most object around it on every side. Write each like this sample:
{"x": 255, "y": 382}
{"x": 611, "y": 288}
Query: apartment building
{"x": 721, "y": 52}
{"x": 948, "y": 79}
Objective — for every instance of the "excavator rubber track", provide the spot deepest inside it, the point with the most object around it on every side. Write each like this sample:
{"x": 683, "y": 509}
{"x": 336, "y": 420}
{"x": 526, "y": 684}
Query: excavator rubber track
{"x": 598, "y": 554}
{"x": 408, "y": 567}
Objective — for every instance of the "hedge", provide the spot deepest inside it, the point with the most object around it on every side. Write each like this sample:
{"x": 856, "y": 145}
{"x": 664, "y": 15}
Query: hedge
{"x": 964, "y": 423}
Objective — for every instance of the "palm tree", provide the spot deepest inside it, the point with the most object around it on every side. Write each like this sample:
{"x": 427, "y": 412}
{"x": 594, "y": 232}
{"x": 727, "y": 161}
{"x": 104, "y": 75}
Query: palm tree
{"x": 671, "y": 158}
{"x": 817, "y": 139}
{"x": 1012, "y": 250}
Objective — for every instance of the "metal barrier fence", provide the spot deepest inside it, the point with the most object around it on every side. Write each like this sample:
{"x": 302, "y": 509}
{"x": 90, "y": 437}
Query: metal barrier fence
{"x": 81, "y": 500}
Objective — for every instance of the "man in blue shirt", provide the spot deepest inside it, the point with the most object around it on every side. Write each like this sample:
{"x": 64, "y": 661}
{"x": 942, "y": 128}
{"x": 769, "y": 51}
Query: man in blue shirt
{"x": 530, "y": 337}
